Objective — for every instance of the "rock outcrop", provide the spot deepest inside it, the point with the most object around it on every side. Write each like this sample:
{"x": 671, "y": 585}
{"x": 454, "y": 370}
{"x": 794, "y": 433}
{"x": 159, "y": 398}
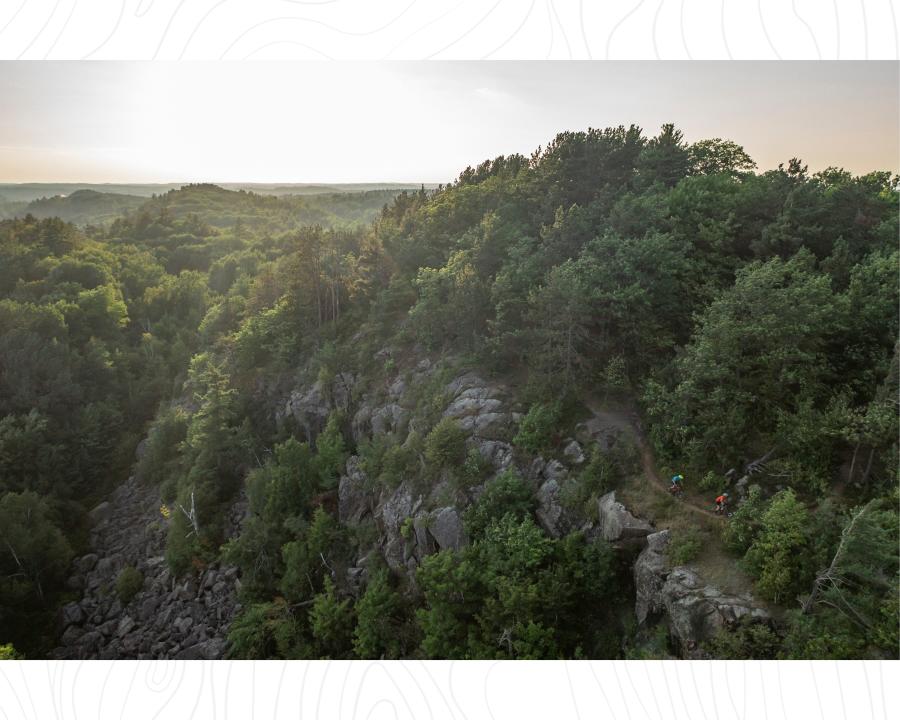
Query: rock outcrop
{"x": 166, "y": 618}
{"x": 411, "y": 522}
{"x": 694, "y": 610}
{"x": 478, "y": 406}
{"x": 354, "y": 495}
{"x": 616, "y": 524}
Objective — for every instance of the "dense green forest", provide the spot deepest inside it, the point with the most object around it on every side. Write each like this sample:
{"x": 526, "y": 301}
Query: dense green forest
{"x": 750, "y": 316}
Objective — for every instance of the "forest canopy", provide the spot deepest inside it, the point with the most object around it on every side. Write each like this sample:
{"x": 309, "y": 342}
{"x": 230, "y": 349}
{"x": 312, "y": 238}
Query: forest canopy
{"x": 749, "y": 314}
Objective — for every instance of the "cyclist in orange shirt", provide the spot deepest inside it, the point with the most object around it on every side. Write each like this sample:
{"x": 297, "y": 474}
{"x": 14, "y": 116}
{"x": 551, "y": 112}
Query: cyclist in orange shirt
{"x": 721, "y": 502}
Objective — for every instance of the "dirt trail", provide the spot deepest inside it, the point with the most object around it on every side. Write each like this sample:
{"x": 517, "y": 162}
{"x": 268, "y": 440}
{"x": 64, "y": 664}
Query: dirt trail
{"x": 627, "y": 419}
{"x": 692, "y": 512}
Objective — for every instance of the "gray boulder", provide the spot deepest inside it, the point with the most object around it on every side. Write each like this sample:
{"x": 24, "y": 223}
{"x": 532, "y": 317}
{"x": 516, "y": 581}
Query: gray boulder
{"x": 309, "y": 409}
{"x": 192, "y": 652}
{"x": 498, "y": 453}
{"x": 76, "y": 582}
{"x": 90, "y": 641}
{"x": 361, "y": 425}
{"x": 616, "y": 524}
{"x": 71, "y": 635}
{"x": 694, "y": 610}
{"x": 555, "y": 470}
{"x": 101, "y": 513}
{"x": 395, "y": 510}
{"x": 71, "y": 614}
{"x": 650, "y": 572}
{"x": 573, "y": 453}
{"x": 399, "y": 505}
{"x": 478, "y": 406}
{"x": 126, "y": 625}
{"x": 556, "y": 520}
{"x": 698, "y": 611}
{"x": 215, "y": 648}
{"x": 342, "y": 390}
{"x": 354, "y": 498}
{"x": 148, "y": 608}
{"x": 86, "y": 563}
{"x": 110, "y": 565}
{"x": 446, "y": 528}
{"x": 389, "y": 419}
{"x": 469, "y": 404}
{"x": 397, "y": 388}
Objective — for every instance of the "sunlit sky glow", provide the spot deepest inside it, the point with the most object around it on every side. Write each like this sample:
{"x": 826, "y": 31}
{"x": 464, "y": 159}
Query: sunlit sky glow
{"x": 417, "y": 122}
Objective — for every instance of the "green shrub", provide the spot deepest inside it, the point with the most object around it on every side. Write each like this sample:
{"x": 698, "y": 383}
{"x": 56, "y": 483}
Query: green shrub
{"x": 539, "y": 429}
{"x": 387, "y": 462}
{"x": 626, "y": 456}
{"x": 615, "y": 375}
{"x": 380, "y": 614}
{"x": 747, "y": 641}
{"x": 331, "y": 451}
{"x": 779, "y": 558}
{"x": 650, "y": 644}
{"x": 506, "y": 493}
{"x": 331, "y": 622}
{"x": 711, "y": 482}
{"x": 161, "y": 457}
{"x": 400, "y": 461}
{"x": 744, "y": 525}
{"x": 265, "y": 631}
{"x": 406, "y": 528}
{"x": 371, "y": 454}
{"x": 594, "y": 480}
{"x": 445, "y": 445}
{"x": 8, "y": 652}
{"x": 181, "y": 546}
{"x": 129, "y": 583}
{"x": 685, "y": 546}
{"x": 475, "y": 469}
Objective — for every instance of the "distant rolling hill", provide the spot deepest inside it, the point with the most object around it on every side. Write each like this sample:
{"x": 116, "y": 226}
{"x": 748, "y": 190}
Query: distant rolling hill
{"x": 83, "y": 206}
{"x": 26, "y": 192}
{"x": 223, "y": 207}
{"x": 324, "y": 205}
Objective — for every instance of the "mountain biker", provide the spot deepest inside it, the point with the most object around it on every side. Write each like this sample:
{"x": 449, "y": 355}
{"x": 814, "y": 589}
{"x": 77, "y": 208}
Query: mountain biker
{"x": 721, "y": 502}
{"x": 677, "y": 484}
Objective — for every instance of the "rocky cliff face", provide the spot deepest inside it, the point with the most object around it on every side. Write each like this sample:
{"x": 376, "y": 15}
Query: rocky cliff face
{"x": 166, "y": 618}
{"x": 189, "y": 617}
{"x": 411, "y": 521}
{"x": 694, "y": 610}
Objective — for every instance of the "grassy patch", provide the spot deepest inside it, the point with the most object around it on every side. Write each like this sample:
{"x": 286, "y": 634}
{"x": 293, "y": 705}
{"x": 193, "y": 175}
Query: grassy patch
{"x": 685, "y": 546}
{"x": 129, "y": 583}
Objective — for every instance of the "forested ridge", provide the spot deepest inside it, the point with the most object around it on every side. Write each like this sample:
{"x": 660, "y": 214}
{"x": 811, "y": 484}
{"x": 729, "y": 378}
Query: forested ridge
{"x": 749, "y": 317}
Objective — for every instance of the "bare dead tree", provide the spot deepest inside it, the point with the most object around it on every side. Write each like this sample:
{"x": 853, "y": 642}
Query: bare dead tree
{"x": 327, "y": 566}
{"x": 833, "y": 575}
{"x": 191, "y": 516}
{"x": 505, "y": 638}
{"x": 758, "y": 465}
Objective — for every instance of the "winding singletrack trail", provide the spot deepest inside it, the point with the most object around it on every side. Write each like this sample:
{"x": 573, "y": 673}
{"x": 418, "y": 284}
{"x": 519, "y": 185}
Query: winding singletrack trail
{"x": 603, "y": 418}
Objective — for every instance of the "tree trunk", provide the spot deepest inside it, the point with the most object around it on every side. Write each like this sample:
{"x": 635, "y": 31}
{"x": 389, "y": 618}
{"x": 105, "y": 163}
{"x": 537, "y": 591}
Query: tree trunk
{"x": 853, "y": 462}
{"x": 865, "y": 477}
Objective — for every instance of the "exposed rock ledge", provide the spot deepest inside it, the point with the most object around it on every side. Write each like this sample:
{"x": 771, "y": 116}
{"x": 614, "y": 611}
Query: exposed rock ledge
{"x": 695, "y": 610}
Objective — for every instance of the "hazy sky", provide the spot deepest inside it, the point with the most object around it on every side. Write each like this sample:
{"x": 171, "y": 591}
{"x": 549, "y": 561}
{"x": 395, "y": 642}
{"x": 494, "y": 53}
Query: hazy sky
{"x": 423, "y": 122}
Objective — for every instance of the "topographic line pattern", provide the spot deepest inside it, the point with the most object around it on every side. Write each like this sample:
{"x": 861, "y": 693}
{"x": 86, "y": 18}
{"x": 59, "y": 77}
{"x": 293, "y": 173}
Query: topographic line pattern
{"x": 448, "y": 29}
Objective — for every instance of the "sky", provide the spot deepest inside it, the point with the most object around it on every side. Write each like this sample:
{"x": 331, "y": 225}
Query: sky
{"x": 418, "y": 122}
